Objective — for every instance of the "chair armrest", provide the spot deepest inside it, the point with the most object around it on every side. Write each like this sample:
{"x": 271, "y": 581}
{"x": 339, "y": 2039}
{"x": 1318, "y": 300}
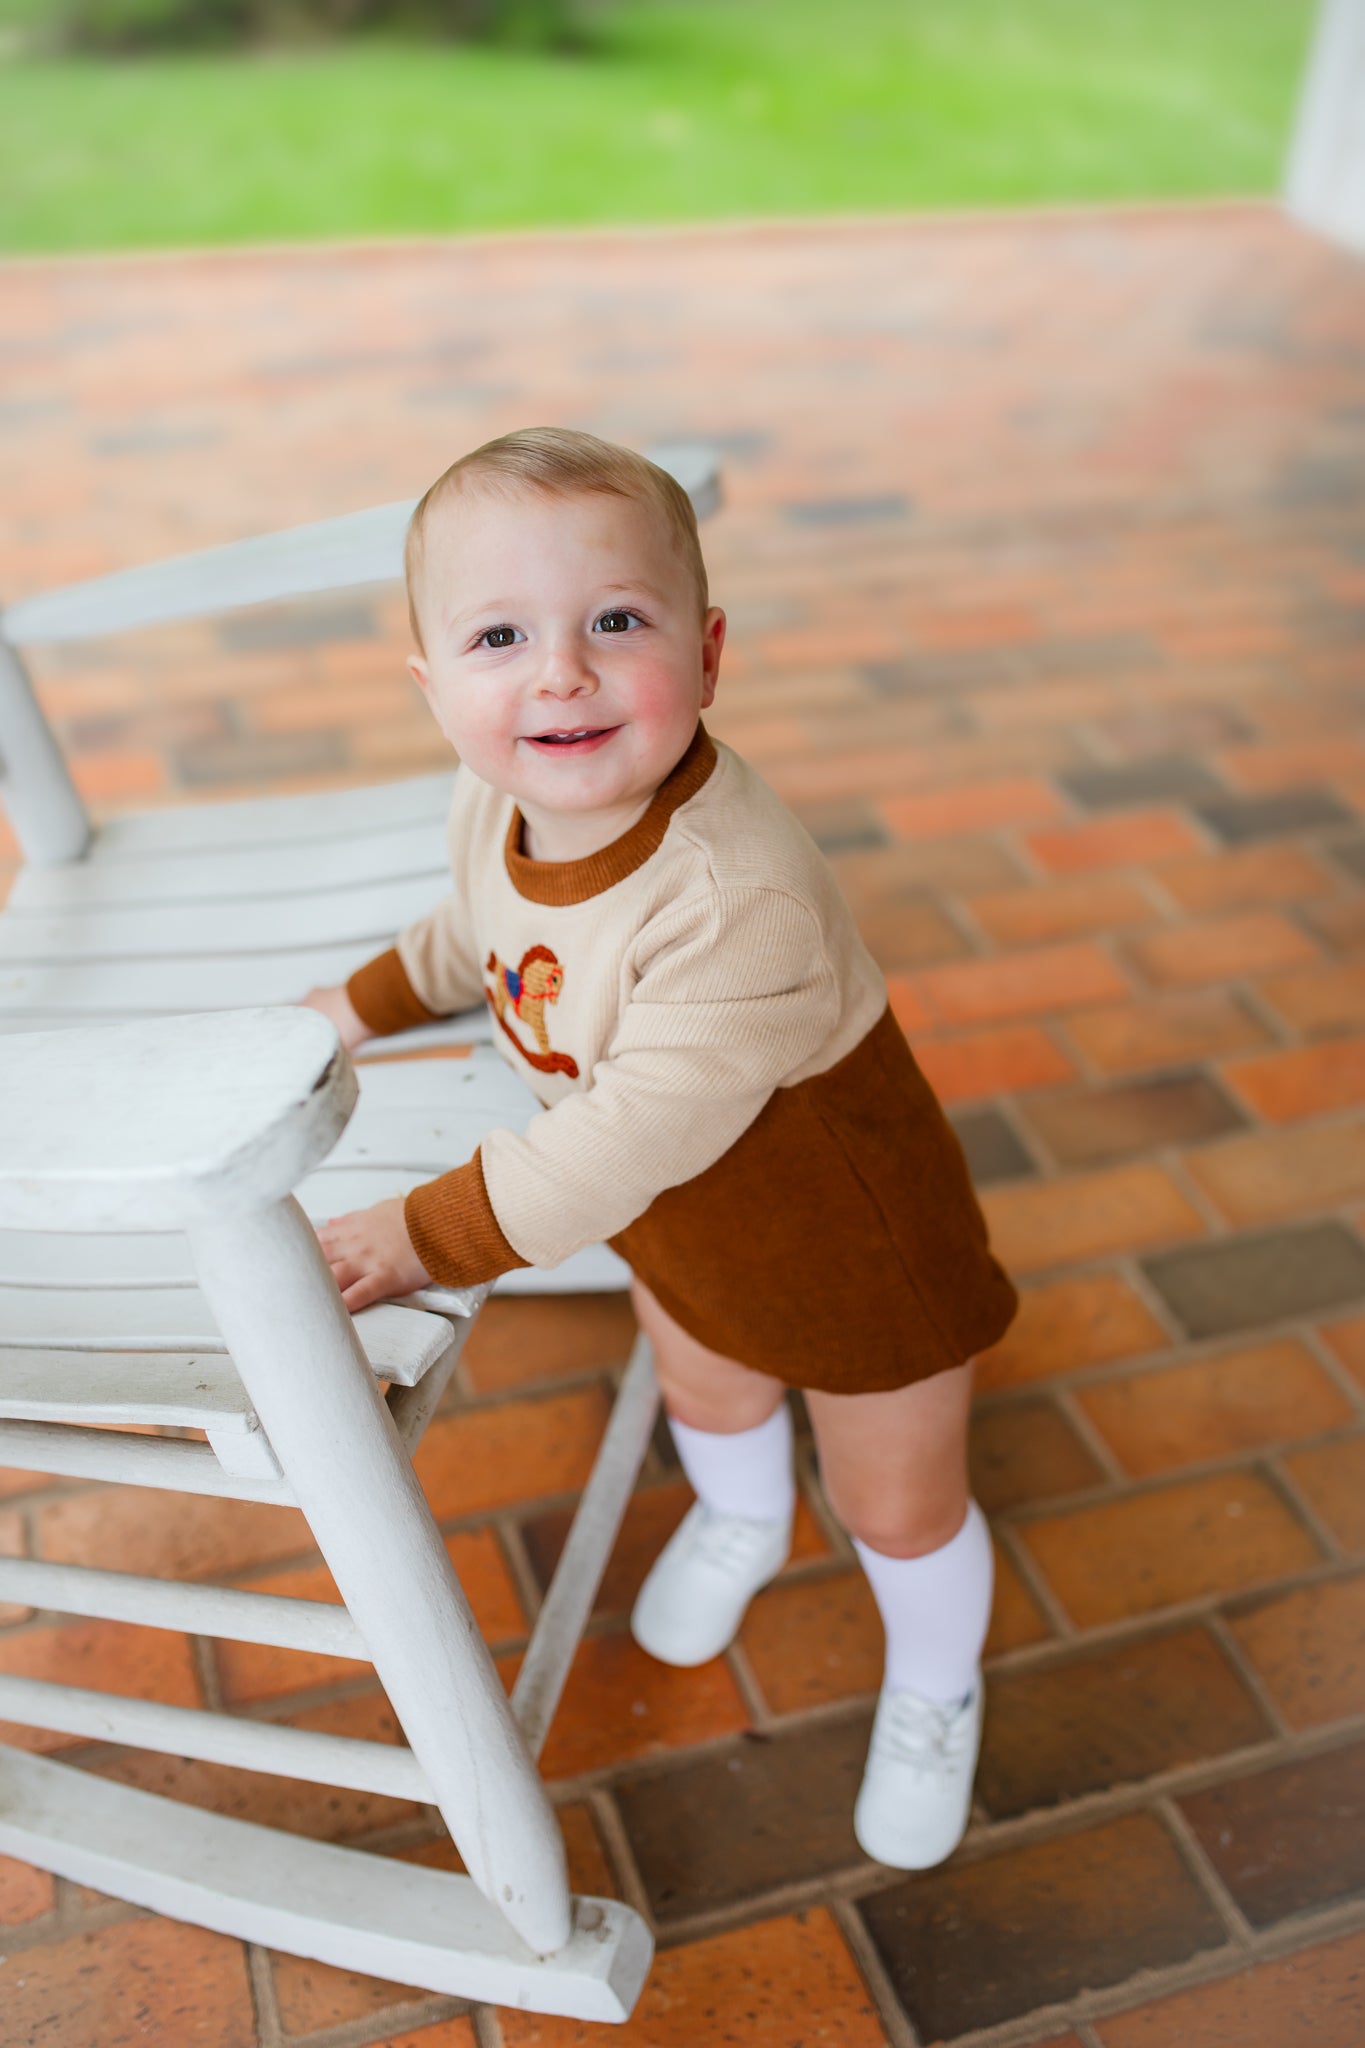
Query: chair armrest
{"x": 158, "y": 1125}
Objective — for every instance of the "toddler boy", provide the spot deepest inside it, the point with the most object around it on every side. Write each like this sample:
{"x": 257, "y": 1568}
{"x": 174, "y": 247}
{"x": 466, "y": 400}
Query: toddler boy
{"x": 728, "y": 1101}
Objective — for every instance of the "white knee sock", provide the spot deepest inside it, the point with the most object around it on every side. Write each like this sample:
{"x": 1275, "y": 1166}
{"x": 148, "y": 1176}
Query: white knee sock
{"x": 748, "y": 1472}
{"x": 935, "y": 1610}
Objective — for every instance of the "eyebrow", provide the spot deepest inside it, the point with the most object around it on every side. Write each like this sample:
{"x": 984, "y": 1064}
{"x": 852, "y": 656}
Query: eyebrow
{"x": 509, "y": 605}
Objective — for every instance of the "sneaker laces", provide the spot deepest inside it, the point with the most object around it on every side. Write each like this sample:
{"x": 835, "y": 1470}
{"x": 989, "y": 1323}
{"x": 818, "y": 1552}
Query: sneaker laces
{"x": 923, "y": 1733}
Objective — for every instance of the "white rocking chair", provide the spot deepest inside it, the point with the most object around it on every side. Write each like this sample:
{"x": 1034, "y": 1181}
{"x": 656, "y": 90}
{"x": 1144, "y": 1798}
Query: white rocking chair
{"x": 156, "y": 1268}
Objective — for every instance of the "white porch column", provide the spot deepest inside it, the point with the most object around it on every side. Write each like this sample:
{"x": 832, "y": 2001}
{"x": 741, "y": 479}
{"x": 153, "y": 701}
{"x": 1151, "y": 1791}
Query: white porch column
{"x": 1325, "y": 174}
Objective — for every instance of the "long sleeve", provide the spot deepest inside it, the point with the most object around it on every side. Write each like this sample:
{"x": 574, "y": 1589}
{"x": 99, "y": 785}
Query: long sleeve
{"x": 736, "y": 992}
{"x": 432, "y": 971}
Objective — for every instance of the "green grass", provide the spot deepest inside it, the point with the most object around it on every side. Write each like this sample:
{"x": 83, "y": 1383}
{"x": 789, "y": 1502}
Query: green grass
{"x": 681, "y": 111}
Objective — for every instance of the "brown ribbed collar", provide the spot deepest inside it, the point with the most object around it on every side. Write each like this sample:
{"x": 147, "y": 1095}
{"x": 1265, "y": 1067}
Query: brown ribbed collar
{"x": 573, "y": 881}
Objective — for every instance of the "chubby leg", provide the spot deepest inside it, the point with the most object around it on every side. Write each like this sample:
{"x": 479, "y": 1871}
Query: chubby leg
{"x": 732, "y": 1429}
{"x": 894, "y": 1466}
{"x": 701, "y": 1388}
{"x": 895, "y": 1473}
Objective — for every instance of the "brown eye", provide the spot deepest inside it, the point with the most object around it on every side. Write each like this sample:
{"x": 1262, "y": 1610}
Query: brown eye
{"x": 615, "y": 622}
{"x": 500, "y": 636}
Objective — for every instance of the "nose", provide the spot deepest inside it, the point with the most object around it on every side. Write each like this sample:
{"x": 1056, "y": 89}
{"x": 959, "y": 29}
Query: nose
{"x": 567, "y": 670}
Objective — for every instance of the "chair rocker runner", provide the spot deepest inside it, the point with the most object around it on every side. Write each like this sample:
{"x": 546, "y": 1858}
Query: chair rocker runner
{"x": 158, "y": 1170}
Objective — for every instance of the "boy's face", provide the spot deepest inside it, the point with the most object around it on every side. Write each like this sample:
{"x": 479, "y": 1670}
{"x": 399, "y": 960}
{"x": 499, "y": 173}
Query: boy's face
{"x": 566, "y": 660}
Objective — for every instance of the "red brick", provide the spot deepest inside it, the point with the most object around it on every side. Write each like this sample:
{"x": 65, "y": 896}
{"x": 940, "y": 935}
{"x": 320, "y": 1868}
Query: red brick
{"x": 1302, "y": 1082}
{"x": 141, "y": 1984}
{"x": 1160, "y": 1419}
{"x": 12, "y": 1544}
{"x": 1131, "y": 838}
{"x": 936, "y": 813}
{"x": 1286, "y": 763}
{"x": 1315, "y": 1000}
{"x": 116, "y": 780}
{"x": 520, "y": 1339}
{"x": 487, "y": 1457}
{"x": 313, "y": 1995}
{"x": 1249, "y": 942}
{"x": 620, "y": 1703}
{"x": 787, "y": 1983}
{"x": 1245, "y": 878}
{"x": 1308, "y": 1647}
{"x": 1332, "y": 1477}
{"x": 25, "y": 1893}
{"x": 1268, "y": 1175}
{"x": 1315, "y": 1995}
{"x": 1061, "y": 910}
{"x": 907, "y": 1007}
{"x": 1168, "y": 1031}
{"x": 1038, "y": 1224}
{"x": 167, "y": 1535}
{"x": 990, "y": 1062}
{"x": 104, "y": 1656}
{"x": 1064, "y": 1325}
{"x": 1147, "y": 1551}
{"x": 1347, "y": 1340}
{"x": 1042, "y": 979}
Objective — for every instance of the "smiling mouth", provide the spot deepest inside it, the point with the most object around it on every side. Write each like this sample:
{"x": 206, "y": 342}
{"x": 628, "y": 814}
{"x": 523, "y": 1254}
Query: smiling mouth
{"x": 568, "y": 739}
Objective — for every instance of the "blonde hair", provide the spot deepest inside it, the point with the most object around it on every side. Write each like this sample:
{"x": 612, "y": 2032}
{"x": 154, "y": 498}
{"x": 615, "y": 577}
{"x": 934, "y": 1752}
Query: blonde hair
{"x": 561, "y": 462}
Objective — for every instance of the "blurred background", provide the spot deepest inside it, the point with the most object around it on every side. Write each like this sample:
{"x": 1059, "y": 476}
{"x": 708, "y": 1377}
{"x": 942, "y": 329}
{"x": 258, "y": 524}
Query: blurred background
{"x": 1041, "y": 422}
{"x": 143, "y": 123}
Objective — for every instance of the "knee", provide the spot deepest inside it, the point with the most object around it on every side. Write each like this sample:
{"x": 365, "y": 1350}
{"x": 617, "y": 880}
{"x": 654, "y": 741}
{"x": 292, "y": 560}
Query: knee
{"x": 900, "y": 1527}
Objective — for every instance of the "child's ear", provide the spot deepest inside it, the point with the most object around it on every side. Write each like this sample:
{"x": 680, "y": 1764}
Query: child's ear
{"x": 712, "y": 641}
{"x": 417, "y": 669}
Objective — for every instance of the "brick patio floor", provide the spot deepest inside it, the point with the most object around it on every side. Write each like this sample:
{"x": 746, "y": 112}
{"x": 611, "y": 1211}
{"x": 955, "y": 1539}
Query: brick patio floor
{"x": 1045, "y": 560}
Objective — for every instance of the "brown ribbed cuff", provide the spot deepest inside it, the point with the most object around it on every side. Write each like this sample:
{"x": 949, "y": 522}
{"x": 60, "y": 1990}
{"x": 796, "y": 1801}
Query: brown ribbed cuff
{"x": 454, "y": 1231}
{"x": 384, "y": 998}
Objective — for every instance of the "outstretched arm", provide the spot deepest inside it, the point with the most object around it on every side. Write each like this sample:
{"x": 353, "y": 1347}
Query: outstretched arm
{"x": 737, "y": 993}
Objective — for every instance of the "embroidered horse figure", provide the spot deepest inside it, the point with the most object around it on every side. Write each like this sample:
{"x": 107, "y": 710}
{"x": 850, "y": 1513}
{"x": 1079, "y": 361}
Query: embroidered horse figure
{"x": 525, "y": 990}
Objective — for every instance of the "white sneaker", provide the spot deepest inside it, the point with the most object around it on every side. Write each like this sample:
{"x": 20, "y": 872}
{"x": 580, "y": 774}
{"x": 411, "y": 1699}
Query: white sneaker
{"x": 916, "y": 1792}
{"x": 701, "y": 1582}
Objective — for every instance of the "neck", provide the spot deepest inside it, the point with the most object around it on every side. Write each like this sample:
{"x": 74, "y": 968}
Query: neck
{"x": 559, "y": 835}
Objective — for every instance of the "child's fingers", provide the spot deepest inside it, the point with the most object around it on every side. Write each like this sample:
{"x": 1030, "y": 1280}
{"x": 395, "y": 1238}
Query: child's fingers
{"x": 363, "y": 1293}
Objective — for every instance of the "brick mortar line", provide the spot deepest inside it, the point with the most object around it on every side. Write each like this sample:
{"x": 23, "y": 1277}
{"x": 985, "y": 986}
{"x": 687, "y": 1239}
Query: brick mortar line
{"x": 511, "y": 1542}
{"x": 487, "y": 2028}
{"x": 264, "y": 2004}
{"x": 620, "y": 1850}
{"x": 896, "y": 2023}
{"x": 1149, "y": 1485}
{"x": 1173, "y": 1161}
{"x": 1345, "y": 1382}
{"x": 429, "y": 2008}
{"x": 750, "y": 1692}
{"x": 1201, "y": 1868}
{"x": 1101, "y": 1450}
{"x": 1030, "y": 1572}
{"x": 1298, "y": 1503}
{"x": 1230, "y": 1643}
{"x": 1183, "y": 1351}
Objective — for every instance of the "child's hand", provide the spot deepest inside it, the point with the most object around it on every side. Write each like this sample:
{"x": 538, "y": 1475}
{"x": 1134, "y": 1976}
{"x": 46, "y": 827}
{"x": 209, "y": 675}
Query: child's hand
{"x": 337, "y": 1007}
{"x": 371, "y": 1254}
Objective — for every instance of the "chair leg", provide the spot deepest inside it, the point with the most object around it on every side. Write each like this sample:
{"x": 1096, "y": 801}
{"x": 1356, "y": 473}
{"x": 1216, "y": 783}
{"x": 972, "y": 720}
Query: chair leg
{"x": 295, "y": 1347}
